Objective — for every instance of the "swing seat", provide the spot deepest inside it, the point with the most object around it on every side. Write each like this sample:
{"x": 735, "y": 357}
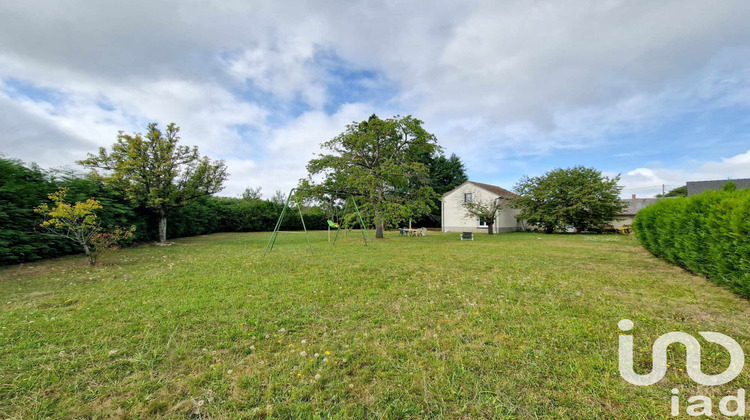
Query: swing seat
{"x": 333, "y": 224}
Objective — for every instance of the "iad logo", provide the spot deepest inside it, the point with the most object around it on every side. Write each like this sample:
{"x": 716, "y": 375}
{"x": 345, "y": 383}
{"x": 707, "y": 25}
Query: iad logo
{"x": 693, "y": 349}
{"x": 702, "y": 405}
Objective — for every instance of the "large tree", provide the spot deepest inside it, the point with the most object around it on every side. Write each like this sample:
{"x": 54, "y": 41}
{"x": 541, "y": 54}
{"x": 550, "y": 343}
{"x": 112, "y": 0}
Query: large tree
{"x": 155, "y": 172}
{"x": 379, "y": 161}
{"x": 580, "y": 197}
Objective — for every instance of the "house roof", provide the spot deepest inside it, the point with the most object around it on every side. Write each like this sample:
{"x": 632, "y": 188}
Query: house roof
{"x": 494, "y": 189}
{"x": 697, "y": 187}
{"x": 634, "y": 206}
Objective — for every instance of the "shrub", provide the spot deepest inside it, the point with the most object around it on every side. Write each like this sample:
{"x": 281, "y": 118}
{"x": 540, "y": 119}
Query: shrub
{"x": 106, "y": 242}
{"x": 79, "y": 222}
{"x": 706, "y": 234}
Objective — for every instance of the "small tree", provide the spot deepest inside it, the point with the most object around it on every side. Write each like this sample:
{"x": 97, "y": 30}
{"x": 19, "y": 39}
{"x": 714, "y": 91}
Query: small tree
{"x": 79, "y": 222}
{"x": 486, "y": 209}
{"x": 580, "y": 197}
{"x": 154, "y": 171}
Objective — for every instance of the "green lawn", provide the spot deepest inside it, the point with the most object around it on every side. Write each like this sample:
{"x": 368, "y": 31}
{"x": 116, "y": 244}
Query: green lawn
{"x": 514, "y": 325}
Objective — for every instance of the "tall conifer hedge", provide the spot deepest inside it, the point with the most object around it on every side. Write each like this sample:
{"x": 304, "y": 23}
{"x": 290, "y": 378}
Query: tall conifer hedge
{"x": 707, "y": 234}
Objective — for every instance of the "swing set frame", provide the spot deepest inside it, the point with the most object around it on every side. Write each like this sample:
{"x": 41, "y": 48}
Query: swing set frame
{"x": 349, "y": 198}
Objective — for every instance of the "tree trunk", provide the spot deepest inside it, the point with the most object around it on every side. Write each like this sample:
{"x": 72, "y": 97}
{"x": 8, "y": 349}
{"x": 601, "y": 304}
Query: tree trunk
{"x": 91, "y": 257}
{"x": 378, "y": 226}
{"x": 162, "y": 228}
{"x": 490, "y": 230}
{"x": 379, "y": 230}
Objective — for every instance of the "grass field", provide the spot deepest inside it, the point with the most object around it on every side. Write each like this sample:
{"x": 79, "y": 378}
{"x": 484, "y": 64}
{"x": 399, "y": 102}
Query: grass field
{"x": 514, "y": 325}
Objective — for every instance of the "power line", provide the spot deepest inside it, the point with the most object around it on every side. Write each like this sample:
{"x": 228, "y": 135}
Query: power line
{"x": 651, "y": 187}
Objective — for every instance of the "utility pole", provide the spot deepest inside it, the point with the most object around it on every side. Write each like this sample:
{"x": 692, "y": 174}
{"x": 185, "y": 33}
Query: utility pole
{"x": 662, "y": 190}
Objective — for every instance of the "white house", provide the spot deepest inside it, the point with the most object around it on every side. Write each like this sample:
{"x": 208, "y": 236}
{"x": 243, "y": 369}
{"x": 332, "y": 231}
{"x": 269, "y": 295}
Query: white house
{"x": 455, "y": 218}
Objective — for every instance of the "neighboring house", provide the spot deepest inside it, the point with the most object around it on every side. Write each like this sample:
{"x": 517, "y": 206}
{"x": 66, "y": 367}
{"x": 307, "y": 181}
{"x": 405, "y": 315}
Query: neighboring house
{"x": 697, "y": 187}
{"x": 455, "y": 218}
{"x": 634, "y": 205}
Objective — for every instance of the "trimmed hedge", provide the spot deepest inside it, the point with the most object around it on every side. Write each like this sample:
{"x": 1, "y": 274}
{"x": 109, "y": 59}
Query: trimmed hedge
{"x": 24, "y": 187}
{"x": 706, "y": 234}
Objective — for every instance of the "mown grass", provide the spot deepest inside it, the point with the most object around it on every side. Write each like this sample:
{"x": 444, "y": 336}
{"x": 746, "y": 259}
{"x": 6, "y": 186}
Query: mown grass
{"x": 515, "y": 326}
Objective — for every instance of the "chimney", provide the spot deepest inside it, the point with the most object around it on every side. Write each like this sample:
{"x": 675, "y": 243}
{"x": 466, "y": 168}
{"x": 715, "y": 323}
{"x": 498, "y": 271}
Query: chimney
{"x": 633, "y": 198}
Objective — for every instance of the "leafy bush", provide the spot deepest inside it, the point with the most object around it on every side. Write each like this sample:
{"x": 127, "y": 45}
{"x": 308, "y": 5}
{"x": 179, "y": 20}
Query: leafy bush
{"x": 105, "y": 242}
{"x": 706, "y": 234}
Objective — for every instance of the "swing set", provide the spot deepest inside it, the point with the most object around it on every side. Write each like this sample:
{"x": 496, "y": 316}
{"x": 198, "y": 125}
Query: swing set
{"x": 331, "y": 223}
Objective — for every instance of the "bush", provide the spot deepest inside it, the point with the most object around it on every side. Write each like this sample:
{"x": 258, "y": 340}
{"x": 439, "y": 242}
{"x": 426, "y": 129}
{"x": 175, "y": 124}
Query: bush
{"x": 706, "y": 234}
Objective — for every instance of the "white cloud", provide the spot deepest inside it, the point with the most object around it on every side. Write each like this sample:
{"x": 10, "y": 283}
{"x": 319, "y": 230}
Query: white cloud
{"x": 289, "y": 149}
{"x": 493, "y": 80}
{"x": 286, "y": 71}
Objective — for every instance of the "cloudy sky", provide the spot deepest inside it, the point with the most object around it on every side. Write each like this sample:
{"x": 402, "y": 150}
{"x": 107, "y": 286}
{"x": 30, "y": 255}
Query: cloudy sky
{"x": 656, "y": 91}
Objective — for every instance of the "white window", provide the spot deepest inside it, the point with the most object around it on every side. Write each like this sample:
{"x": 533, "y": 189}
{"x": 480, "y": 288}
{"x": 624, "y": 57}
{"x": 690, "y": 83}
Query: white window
{"x": 468, "y": 197}
{"x": 482, "y": 222}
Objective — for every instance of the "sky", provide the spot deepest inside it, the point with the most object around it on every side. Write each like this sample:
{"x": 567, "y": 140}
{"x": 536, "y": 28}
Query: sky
{"x": 658, "y": 92}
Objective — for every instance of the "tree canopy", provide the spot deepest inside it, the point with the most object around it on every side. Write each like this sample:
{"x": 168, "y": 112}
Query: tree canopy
{"x": 446, "y": 173}
{"x": 381, "y": 162}
{"x": 580, "y": 197}
{"x": 155, "y": 172}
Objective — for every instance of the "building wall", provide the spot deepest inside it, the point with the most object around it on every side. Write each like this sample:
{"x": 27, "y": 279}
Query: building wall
{"x": 455, "y": 219}
{"x": 507, "y": 222}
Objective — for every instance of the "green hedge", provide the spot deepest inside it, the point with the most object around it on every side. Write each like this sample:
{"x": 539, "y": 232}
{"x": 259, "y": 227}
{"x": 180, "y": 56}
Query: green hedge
{"x": 706, "y": 234}
{"x": 23, "y": 187}
{"x": 225, "y": 214}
